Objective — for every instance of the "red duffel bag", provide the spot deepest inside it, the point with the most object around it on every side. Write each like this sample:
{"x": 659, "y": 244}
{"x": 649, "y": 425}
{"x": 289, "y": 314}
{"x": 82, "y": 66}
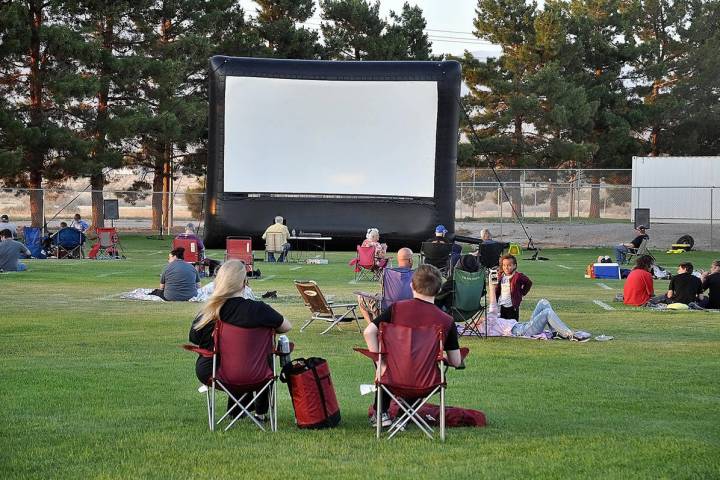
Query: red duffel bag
{"x": 312, "y": 392}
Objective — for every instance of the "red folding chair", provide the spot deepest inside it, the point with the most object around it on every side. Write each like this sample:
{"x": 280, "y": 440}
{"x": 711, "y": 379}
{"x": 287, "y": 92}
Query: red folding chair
{"x": 365, "y": 265}
{"x": 244, "y": 364}
{"x": 192, "y": 249}
{"x": 108, "y": 245}
{"x": 414, "y": 371}
{"x": 240, "y": 248}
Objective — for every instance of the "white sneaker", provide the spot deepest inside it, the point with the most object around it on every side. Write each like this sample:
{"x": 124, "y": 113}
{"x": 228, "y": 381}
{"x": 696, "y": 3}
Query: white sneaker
{"x": 580, "y": 336}
{"x": 384, "y": 420}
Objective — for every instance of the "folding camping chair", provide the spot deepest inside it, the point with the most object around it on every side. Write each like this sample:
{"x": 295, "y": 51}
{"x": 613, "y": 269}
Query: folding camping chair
{"x": 437, "y": 254}
{"x": 108, "y": 244}
{"x": 365, "y": 264}
{"x": 274, "y": 245}
{"x": 414, "y": 372}
{"x": 32, "y": 236}
{"x": 192, "y": 249}
{"x": 467, "y": 301}
{"x": 396, "y": 286}
{"x": 68, "y": 243}
{"x": 240, "y": 248}
{"x": 641, "y": 250}
{"x": 247, "y": 369}
{"x": 321, "y": 309}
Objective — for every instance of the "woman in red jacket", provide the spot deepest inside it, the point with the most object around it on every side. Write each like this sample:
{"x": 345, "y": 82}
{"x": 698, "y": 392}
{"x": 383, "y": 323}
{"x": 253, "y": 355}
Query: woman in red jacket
{"x": 512, "y": 286}
{"x": 638, "y": 289}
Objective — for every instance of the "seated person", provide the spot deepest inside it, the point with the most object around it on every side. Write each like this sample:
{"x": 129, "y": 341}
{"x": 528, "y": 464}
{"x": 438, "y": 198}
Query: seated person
{"x": 179, "y": 281}
{"x": 189, "y": 234}
{"x": 711, "y": 281}
{"x": 638, "y": 289}
{"x": 79, "y": 224}
{"x": 485, "y": 236}
{"x": 622, "y": 249}
{"x": 278, "y": 239}
{"x": 684, "y": 287}
{"x": 10, "y": 252}
{"x": 372, "y": 239}
{"x": 440, "y": 237}
{"x": 6, "y": 224}
{"x": 229, "y": 303}
{"x": 418, "y": 312}
{"x": 49, "y": 240}
{"x": 370, "y": 305}
{"x": 543, "y": 319}
{"x": 468, "y": 263}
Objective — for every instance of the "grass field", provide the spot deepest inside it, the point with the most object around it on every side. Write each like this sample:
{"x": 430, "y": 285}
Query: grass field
{"x": 97, "y": 387}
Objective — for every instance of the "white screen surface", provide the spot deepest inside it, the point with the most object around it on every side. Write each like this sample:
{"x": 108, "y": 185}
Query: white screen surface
{"x": 330, "y": 137}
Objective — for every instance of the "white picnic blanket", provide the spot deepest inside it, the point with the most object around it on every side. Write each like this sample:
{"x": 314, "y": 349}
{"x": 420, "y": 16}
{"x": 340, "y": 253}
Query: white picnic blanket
{"x": 203, "y": 293}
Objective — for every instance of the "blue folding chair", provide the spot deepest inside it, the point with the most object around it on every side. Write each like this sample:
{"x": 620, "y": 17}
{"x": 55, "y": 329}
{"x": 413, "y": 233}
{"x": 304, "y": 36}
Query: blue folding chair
{"x": 396, "y": 286}
{"x": 33, "y": 241}
{"x": 68, "y": 243}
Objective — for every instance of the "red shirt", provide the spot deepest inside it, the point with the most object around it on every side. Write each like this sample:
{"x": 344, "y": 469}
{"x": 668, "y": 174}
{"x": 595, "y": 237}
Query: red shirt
{"x": 638, "y": 288}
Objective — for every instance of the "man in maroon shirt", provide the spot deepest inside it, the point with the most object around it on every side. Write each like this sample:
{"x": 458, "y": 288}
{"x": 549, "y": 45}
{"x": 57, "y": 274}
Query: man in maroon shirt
{"x": 418, "y": 312}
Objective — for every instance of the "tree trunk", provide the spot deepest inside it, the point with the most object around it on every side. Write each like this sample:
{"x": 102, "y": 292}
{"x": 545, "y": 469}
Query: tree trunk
{"x": 157, "y": 198}
{"x": 167, "y": 176}
{"x": 594, "y": 198}
{"x": 97, "y": 183}
{"x": 36, "y": 154}
{"x": 516, "y": 191}
{"x": 553, "y": 195}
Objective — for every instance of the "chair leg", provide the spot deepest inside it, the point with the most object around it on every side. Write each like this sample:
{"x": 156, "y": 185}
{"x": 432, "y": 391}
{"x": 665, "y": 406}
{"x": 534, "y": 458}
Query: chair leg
{"x": 442, "y": 414}
{"x": 212, "y": 407}
{"x": 209, "y": 409}
{"x": 378, "y": 412}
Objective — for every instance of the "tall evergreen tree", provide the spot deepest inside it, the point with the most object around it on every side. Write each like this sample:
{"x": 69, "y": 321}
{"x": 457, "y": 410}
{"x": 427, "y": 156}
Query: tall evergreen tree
{"x": 500, "y": 90}
{"x": 178, "y": 38}
{"x": 697, "y": 131}
{"x": 601, "y": 32}
{"x": 406, "y": 37}
{"x": 278, "y": 25}
{"x": 654, "y": 25}
{"x": 35, "y": 140}
{"x": 106, "y": 93}
{"x": 352, "y": 29}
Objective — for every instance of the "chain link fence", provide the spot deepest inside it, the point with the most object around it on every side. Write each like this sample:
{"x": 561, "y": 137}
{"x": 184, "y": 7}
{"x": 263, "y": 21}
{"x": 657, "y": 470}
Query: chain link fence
{"x": 551, "y": 197}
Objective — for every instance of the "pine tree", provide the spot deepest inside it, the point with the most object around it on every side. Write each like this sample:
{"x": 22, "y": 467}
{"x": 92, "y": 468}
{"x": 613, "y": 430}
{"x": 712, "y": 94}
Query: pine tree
{"x": 352, "y": 29}
{"x": 600, "y": 32}
{"x": 277, "y": 25}
{"x": 500, "y": 90}
{"x": 178, "y": 39}
{"x": 406, "y": 38}
{"x": 35, "y": 140}
{"x": 105, "y": 94}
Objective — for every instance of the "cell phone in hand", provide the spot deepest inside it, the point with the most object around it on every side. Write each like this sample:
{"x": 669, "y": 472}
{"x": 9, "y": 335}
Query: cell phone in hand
{"x": 493, "y": 276}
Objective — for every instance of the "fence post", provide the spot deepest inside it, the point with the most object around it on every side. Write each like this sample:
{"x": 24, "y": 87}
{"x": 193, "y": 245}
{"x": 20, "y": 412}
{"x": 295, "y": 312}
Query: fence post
{"x": 712, "y": 190}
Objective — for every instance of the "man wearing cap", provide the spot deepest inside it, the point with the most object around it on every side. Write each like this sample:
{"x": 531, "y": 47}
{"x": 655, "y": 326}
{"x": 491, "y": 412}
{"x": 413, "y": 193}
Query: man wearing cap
{"x": 622, "y": 249}
{"x": 6, "y": 224}
{"x": 440, "y": 232}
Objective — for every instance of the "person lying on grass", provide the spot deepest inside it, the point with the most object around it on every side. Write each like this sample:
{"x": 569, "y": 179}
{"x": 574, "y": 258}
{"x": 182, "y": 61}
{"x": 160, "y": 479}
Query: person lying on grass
{"x": 227, "y": 304}
{"x": 543, "y": 321}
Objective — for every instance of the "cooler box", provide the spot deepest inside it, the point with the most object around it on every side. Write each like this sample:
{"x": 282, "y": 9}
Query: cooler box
{"x": 606, "y": 270}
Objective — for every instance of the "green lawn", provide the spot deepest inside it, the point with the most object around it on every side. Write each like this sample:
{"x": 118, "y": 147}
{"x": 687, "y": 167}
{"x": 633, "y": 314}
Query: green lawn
{"x": 97, "y": 387}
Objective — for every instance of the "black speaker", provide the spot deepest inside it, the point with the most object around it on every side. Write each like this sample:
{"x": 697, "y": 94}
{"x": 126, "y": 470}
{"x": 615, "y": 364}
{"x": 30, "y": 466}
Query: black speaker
{"x": 642, "y": 217}
{"x": 111, "y": 210}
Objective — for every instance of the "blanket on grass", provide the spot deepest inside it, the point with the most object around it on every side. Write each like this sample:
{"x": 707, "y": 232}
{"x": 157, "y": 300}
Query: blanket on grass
{"x": 203, "y": 293}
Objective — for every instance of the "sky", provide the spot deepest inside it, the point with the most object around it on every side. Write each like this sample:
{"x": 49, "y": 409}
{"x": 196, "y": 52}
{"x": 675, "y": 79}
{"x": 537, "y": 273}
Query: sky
{"x": 449, "y": 24}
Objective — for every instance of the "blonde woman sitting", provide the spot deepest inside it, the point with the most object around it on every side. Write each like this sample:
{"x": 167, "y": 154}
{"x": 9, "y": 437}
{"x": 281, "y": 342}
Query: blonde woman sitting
{"x": 228, "y": 304}
{"x": 372, "y": 239}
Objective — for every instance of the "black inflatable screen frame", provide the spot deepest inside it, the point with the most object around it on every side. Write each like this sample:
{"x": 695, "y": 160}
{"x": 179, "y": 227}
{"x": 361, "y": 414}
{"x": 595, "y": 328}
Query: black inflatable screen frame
{"x": 401, "y": 220}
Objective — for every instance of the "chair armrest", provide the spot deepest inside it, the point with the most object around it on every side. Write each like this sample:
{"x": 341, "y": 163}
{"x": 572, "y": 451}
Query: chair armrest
{"x": 371, "y": 355}
{"x": 464, "y": 351}
{"x": 346, "y": 305}
{"x": 200, "y": 351}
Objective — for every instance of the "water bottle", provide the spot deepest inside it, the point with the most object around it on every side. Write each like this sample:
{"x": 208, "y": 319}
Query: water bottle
{"x": 293, "y": 232}
{"x": 284, "y": 349}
